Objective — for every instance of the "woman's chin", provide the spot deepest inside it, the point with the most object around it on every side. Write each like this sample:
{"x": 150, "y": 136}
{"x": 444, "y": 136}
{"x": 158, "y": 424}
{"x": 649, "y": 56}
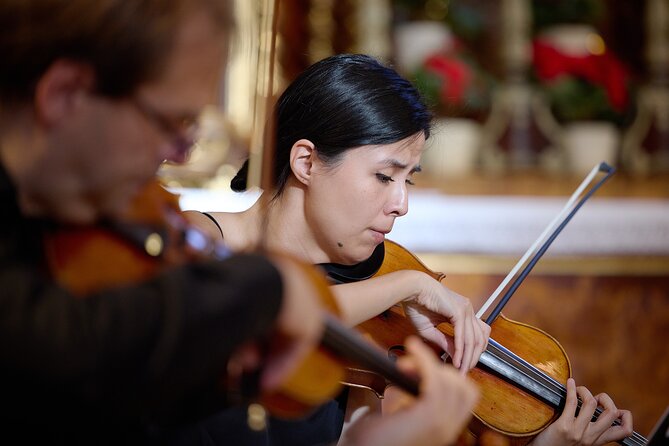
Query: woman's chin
{"x": 352, "y": 255}
{"x": 359, "y": 257}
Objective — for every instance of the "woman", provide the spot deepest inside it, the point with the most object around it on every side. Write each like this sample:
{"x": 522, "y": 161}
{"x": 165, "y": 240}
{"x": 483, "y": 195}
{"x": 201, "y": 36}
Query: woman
{"x": 350, "y": 136}
{"x": 377, "y": 109}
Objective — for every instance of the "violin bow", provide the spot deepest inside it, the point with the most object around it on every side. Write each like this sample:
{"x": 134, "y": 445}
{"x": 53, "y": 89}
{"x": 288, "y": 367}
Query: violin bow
{"x": 559, "y": 223}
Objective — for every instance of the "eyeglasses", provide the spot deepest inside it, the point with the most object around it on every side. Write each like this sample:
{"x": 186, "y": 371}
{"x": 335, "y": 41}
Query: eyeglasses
{"x": 182, "y": 130}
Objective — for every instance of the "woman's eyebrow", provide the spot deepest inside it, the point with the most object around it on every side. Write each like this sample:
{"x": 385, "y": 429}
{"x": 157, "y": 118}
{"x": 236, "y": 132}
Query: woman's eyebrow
{"x": 396, "y": 164}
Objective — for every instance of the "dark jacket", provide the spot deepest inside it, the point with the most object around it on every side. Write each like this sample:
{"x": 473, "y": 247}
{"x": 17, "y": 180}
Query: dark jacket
{"x": 104, "y": 368}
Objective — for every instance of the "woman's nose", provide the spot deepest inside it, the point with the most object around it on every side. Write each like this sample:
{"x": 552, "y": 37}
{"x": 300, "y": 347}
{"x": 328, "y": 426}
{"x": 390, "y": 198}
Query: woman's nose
{"x": 398, "y": 204}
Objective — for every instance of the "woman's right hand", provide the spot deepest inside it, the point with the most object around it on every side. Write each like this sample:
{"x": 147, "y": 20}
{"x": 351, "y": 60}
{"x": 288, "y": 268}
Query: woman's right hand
{"x": 437, "y": 417}
{"x": 435, "y": 303}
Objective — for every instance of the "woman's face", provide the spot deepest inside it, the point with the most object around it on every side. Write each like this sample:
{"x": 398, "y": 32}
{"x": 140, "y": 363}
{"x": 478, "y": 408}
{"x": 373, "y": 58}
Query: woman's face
{"x": 353, "y": 204}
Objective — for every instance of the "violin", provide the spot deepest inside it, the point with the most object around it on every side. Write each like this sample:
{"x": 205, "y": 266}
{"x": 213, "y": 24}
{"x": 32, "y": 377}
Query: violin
{"x": 521, "y": 375}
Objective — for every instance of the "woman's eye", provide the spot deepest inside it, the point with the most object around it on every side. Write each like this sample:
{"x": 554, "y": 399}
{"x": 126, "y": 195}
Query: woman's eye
{"x": 410, "y": 182}
{"x": 384, "y": 178}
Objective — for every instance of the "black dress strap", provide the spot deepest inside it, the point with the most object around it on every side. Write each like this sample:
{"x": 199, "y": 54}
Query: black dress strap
{"x": 211, "y": 217}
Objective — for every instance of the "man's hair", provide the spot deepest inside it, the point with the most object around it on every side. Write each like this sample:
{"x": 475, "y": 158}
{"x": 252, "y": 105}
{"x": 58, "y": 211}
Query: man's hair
{"x": 127, "y": 42}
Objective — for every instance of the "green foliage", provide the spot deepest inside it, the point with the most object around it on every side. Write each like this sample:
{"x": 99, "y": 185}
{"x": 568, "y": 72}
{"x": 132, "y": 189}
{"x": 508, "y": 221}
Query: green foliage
{"x": 463, "y": 19}
{"x": 546, "y": 13}
{"x": 429, "y": 85}
{"x": 573, "y": 98}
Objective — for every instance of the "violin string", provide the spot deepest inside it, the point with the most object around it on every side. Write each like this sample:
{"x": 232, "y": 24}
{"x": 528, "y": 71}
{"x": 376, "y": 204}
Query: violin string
{"x": 567, "y": 207}
{"x": 523, "y": 369}
{"x": 550, "y": 384}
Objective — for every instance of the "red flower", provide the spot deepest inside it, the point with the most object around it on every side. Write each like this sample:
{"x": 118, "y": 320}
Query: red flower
{"x": 455, "y": 75}
{"x": 599, "y": 69}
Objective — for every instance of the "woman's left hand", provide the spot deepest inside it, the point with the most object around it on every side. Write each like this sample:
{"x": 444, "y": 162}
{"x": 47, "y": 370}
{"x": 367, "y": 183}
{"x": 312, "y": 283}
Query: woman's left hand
{"x": 579, "y": 430}
{"x": 434, "y": 304}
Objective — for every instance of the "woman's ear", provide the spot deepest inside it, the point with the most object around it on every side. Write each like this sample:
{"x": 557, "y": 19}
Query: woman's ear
{"x": 302, "y": 157}
{"x": 59, "y": 88}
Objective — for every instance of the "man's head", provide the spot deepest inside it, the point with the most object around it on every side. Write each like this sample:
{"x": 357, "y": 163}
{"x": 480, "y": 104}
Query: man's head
{"x": 126, "y": 42}
{"x": 104, "y": 90}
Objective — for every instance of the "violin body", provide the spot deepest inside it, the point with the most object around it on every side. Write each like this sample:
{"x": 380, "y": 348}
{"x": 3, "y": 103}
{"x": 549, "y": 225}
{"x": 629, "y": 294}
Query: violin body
{"x": 503, "y": 407}
{"x": 87, "y": 258}
{"x": 521, "y": 375}
{"x": 506, "y": 408}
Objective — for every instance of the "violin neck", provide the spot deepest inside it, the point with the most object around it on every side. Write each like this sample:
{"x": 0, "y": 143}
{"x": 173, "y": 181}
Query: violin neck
{"x": 505, "y": 364}
{"x": 347, "y": 343}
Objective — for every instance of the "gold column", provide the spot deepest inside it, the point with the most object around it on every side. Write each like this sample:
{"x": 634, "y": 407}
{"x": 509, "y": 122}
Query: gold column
{"x": 321, "y": 29}
{"x": 371, "y": 28}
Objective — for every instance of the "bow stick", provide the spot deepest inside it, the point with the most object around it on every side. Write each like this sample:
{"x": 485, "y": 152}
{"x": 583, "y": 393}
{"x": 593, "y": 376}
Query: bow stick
{"x": 559, "y": 222}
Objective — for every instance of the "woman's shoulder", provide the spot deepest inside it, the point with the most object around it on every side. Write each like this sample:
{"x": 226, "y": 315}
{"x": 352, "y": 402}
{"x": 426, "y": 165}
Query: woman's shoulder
{"x": 205, "y": 222}
{"x": 236, "y": 228}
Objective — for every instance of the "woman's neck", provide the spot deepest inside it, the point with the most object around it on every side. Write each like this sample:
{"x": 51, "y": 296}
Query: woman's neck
{"x": 287, "y": 229}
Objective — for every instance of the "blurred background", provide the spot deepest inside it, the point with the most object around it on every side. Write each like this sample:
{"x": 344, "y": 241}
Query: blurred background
{"x": 528, "y": 96}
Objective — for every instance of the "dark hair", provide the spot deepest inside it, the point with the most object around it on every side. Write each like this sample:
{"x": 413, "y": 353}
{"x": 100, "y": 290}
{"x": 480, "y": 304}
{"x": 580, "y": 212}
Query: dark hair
{"x": 125, "y": 41}
{"x": 342, "y": 102}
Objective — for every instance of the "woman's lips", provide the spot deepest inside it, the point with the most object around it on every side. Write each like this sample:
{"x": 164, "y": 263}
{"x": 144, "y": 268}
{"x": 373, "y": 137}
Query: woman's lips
{"x": 379, "y": 236}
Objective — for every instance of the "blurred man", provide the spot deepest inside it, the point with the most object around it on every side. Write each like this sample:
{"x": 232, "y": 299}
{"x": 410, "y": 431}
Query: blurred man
{"x": 93, "y": 97}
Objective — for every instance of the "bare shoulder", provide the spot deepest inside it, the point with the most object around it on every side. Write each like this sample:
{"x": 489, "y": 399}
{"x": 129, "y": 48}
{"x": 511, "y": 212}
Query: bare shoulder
{"x": 203, "y": 222}
{"x": 237, "y": 228}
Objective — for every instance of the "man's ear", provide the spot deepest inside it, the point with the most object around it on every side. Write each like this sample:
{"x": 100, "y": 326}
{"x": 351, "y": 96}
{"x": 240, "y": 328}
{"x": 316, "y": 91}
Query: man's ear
{"x": 60, "y": 88}
{"x": 302, "y": 157}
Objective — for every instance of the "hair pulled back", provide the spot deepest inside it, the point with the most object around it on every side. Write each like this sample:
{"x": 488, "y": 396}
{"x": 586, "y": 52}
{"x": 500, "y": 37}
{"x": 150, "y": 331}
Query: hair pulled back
{"x": 342, "y": 102}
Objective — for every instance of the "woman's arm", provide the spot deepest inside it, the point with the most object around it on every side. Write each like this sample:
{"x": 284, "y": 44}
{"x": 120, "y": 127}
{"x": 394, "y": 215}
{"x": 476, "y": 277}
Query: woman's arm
{"x": 427, "y": 303}
{"x": 360, "y": 301}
